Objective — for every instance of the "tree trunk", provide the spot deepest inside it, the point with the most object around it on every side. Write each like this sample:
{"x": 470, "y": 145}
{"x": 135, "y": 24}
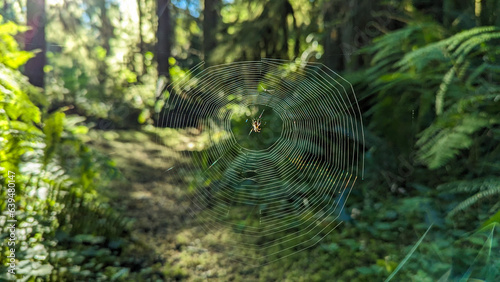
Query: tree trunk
{"x": 106, "y": 28}
{"x": 141, "y": 39}
{"x": 34, "y": 39}
{"x": 332, "y": 56}
{"x": 106, "y": 33}
{"x": 448, "y": 11}
{"x": 210, "y": 21}
{"x": 347, "y": 36}
{"x": 163, "y": 36}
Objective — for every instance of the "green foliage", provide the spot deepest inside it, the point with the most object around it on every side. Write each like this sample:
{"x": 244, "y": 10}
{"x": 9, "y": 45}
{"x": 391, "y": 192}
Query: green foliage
{"x": 456, "y": 125}
{"x": 443, "y": 91}
{"x": 11, "y": 57}
{"x": 464, "y": 98}
{"x": 483, "y": 188}
{"x": 53, "y": 129}
{"x": 93, "y": 73}
{"x": 18, "y": 115}
{"x": 62, "y": 221}
{"x": 443, "y": 140}
{"x": 430, "y": 93}
{"x": 268, "y": 29}
{"x": 408, "y": 256}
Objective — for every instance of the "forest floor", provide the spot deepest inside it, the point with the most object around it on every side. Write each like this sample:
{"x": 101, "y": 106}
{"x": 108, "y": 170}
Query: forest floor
{"x": 156, "y": 198}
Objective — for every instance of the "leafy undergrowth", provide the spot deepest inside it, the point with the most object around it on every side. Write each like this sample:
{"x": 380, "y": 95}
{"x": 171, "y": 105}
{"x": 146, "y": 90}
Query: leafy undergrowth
{"x": 368, "y": 247}
{"x": 55, "y": 224}
{"x": 158, "y": 201}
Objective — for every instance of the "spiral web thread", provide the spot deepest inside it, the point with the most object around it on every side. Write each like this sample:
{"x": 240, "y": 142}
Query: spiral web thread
{"x": 286, "y": 197}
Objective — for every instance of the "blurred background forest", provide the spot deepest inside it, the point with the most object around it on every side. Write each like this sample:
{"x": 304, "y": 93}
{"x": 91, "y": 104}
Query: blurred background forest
{"x": 82, "y": 82}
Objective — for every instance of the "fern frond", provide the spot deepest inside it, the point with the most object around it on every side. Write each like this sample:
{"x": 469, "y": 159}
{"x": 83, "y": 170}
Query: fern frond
{"x": 443, "y": 140}
{"x": 467, "y": 186}
{"x": 457, "y": 39}
{"x": 447, "y": 79}
{"x": 476, "y": 198}
{"x": 466, "y": 103}
{"x": 459, "y": 45}
{"x": 444, "y": 147}
{"x": 465, "y": 48}
{"x": 421, "y": 57}
{"x": 483, "y": 68}
{"x": 384, "y": 47}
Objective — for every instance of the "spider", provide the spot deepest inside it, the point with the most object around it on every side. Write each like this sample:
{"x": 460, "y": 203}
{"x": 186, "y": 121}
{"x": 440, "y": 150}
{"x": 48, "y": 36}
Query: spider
{"x": 256, "y": 124}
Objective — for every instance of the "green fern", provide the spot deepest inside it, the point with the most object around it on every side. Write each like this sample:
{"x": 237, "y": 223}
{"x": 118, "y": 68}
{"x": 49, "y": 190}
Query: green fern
{"x": 468, "y": 186}
{"x": 482, "y": 187}
{"x": 447, "y": 88}
{"x": 443, "y": 140}
{"x": 466, "y": 47}
{"x": 456, "y": 40}
{"x": 56, "y": 174}
{"x": 494, "y": 191}
{"x": 454, "y": 131}
{"x": 406, "y": 38}
{"x": 440, "y": 51}
{"x": 422, "y": 57}
{"x": 459, "y": 75}
{"x": 449, "y": 134}
{"x": 447, "y": 79}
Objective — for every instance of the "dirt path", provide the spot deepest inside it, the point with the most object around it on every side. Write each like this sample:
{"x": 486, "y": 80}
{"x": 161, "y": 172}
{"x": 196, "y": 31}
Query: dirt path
{"x": 158, "y": 202}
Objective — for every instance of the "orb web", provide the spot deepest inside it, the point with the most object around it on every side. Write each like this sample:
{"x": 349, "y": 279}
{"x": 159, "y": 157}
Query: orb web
{"x": 279, "y": 190}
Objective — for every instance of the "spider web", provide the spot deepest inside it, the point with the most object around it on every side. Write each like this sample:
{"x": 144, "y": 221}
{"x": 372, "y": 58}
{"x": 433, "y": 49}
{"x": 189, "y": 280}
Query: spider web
{"x": 280, "y": 190}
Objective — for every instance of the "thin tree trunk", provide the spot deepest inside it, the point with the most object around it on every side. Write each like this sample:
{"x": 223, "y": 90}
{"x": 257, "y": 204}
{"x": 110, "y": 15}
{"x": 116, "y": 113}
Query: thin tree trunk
{"x": 106, "y": 29}
{"x": 448, "y": 10}
{"x": 34, "y": 39}
{"x": 286, "y": 10}
{"x": 163, "y": 36}
{"x": 210, "y": 21}
{"x": 141, "y": 38}
{"x": 347, "y": 36}
{"x": 331, "y": 41}
{"x": 106, "y": 32}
